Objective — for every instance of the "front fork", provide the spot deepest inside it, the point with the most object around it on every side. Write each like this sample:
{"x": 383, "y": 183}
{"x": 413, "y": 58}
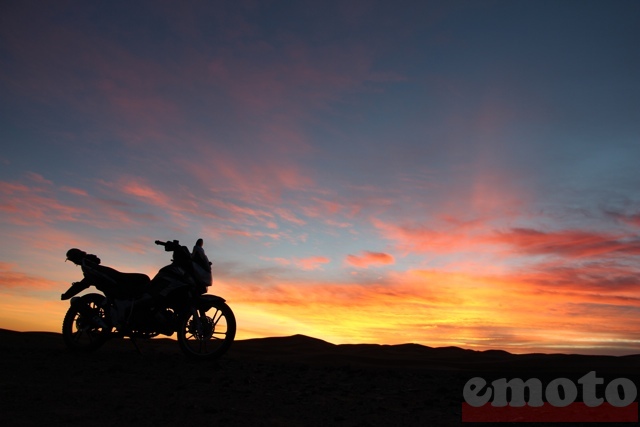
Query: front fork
{"x": 200, "y": 325}
{"x": 196, "y": 322}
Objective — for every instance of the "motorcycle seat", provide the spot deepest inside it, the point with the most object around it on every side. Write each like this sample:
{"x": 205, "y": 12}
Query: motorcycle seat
{"x": 134, "y": 279}
{"x": 134, "y": 282}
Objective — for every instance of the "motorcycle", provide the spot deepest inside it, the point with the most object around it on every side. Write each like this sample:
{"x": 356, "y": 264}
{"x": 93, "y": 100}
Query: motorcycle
{"x": 133, "y": 305}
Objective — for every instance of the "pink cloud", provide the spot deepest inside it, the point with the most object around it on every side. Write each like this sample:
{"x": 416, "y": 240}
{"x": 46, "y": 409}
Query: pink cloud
{"x": 48, "y": 203}
{"x": 569, "y": 243}
{"x": 21, "y": 282}
{"x": 24, "y": 205}
{"x": 38, "y": 179}
{"x": 290, "y": 216}
{"x": 75, "y": 191}
{"x": 309, "y": 263}
{"x": 175, "y": 206}
{"x": 259, "y": 180}
{"x": 312, "y": 263}
{"x": 237, "y": 210}
{"x": 631, "y": 219}
{"x": 602, "y": 276}
{"x": 278, "y": 260}
{"x": 252, "y": 234}
{"x": 143, "y": 191}
{"x": 367, "y": 259}
{"x": 447, "y": 236}
{"x": 450, "y": 235}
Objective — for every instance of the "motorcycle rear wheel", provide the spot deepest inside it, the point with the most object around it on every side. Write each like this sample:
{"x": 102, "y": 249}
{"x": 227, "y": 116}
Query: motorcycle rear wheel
{"x": 209, "y": 333}
{"x": 86, "y": 331}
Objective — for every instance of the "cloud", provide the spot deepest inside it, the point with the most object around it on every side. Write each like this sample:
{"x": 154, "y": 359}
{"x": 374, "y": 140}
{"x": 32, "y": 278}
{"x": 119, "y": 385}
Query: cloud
{"x": 367, "y": 259}
{"x": 569, "y": 243}
{"x": 308, "y": 263}
{"x": 312, "y": 263}
{"x": 451, "y": 235}
{"x": 47, "y": 203}
{"x": 20, "y": 282}
{"x": 28, "y": 204}
{"x": 75, "y": 191}
{"x": 468, "y": 309}
{"x": 630, "y": 219}
{"x": 608, "y": 278}
{"x": 446, "y": 236}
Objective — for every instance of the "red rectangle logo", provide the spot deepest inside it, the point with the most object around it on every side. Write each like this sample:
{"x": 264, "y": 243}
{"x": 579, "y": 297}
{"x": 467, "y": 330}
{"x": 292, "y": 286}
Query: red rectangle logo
{"x": 575, "y": 412}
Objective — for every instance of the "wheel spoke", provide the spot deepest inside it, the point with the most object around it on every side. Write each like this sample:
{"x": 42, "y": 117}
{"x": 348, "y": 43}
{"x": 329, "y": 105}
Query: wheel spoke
{"x": 215, "y": 321}
{"x": 209, "y": 333}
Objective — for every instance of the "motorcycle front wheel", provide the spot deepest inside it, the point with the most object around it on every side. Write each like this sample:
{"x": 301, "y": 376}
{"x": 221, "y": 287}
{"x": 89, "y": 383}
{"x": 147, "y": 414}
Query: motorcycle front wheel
{"x": 207, "y": 333}
{"x": 85, "y": 326}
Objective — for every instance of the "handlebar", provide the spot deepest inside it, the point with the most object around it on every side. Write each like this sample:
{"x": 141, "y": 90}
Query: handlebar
{"x": 169, "y": 246}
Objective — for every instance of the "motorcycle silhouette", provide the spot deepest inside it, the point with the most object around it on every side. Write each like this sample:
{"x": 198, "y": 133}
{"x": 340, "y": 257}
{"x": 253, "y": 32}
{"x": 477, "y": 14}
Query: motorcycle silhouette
{"x": 134, "y": 306}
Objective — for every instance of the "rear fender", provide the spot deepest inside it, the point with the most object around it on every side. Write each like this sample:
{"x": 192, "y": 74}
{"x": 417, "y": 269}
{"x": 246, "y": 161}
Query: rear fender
{"x": 75, "y": 289}
{"x": 81, "y": 303}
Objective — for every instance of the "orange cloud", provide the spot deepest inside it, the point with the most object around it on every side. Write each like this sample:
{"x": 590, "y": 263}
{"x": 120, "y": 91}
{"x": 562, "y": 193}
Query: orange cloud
{"x": 539, "y": 310}
{"x": 367, "y": 259}
{"x": 437, "y": 308}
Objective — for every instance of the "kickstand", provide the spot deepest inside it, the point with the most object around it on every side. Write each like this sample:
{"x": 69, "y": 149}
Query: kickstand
{"x": 135, "y": 344}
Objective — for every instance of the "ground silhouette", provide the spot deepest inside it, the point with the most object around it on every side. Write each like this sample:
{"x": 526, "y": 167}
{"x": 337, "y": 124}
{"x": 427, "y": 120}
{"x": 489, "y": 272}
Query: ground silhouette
{"x": 284, "y": 381}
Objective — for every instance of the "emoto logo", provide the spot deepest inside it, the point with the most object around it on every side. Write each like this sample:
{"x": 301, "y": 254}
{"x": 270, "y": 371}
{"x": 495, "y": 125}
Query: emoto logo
{"x": 528, "y": 401}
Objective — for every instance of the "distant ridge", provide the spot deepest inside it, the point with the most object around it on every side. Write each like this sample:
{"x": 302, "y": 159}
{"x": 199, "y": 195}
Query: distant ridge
{"x": 308, "y": 350}
{"x": 296, "y": 340}
{"x": 306, "y": 343}
{"x": 302, "y": 348}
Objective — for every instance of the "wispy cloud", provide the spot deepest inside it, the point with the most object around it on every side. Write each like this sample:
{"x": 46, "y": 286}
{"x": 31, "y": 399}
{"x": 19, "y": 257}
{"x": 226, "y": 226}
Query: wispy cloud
{"x": 308, "y": 263}
{"x": 20, "y": 282}
{"x": 24, "y": 204}
{"x": 570, "y": 243}
{"x": 367, "y": 259}
{"x": 446, "y": 308}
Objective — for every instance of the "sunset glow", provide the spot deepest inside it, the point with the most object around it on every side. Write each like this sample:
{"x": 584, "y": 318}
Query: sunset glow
{"x": 447, "y": 173}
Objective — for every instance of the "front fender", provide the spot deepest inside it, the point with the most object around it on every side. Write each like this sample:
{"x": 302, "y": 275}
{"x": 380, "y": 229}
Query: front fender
{"x": 206, "y": 301}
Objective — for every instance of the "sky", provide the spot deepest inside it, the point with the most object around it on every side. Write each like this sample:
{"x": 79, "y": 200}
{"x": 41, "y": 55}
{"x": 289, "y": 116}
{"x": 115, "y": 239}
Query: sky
{"x": 448, "y": 173}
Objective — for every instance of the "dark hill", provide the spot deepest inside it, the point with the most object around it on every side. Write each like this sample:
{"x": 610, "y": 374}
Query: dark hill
{"x": 282, "y": 381}
{"x": 304, "y": 349}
